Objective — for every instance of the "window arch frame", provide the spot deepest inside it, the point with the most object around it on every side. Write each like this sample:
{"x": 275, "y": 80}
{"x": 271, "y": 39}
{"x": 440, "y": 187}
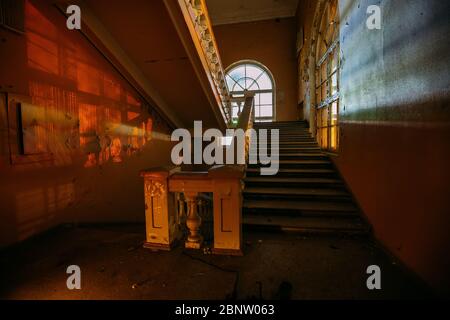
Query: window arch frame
{"x": 264, "y": 70}
{"x": 327, "y": 77}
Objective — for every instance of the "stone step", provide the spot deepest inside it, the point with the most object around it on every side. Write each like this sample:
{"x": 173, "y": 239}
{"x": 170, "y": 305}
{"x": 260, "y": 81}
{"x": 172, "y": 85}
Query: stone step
{"x": 297, "y": 171}
{"x": 288, "y": 154}
{"x": 293, "y": 137}
{"x": 293, "y": 182}
{"x": 288, "y": 133}
{"x": 290, "y": 137}
{"x": 298, "y": 154}
{"x": 297, "y": 192}
{"x": 298, "y": 164}
{"x": 307, "y": 208}
{"x": 306, "y": 225}
{"x": 294, "y": 124}
{"x": 284, "y": 145}
{"x": 281, "y": 149}
{"x": 291, "y": 143}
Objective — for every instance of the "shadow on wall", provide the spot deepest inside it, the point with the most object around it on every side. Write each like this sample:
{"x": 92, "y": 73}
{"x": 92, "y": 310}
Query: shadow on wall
{"x": 75, "y": 135}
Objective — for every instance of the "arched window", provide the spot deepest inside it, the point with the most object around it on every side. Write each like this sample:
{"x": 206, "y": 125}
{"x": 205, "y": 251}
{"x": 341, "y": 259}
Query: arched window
{"x": 327, "y": 78}
{"x": 254, "y": 77}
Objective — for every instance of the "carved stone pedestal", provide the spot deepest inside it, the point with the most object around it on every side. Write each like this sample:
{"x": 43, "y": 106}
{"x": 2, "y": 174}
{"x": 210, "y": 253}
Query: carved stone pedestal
{"x": 161, "y": 228}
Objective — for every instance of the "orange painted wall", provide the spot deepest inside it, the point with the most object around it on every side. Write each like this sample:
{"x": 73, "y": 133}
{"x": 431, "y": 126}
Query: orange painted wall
{"x": 97, "y": 132}
{"x": 271, "y": 43}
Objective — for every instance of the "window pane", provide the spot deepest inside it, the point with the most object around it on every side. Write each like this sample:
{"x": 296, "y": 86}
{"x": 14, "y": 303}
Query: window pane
{"x": 236, "y": 87}
{"x": 264, "y": 82}
{"x": 266, "y": 111}
{"x": 257, "y": 99}
{"x": 237, "y": 73}
{"x": 334, "y": 113}
{"x": 230, "y": 82}
{"x": 327, "y": 79}
{"x": 253, "y": 86}
{"x": 254, "y": 78}
{"x": 241, "y": 84}
{"x": 235, "y": 112}
{"x": 335, "y": 59}
{"x": 257, "y": 113}
{"x": 266, "y": 98}
{"x": 334, "y": 84}
{"x": 248, "y": 82}
{"x": 253, "y": 72}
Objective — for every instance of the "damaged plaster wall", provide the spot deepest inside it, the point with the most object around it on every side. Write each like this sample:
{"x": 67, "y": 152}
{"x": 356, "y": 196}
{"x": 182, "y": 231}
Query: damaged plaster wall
{"x": 93, "y": 132}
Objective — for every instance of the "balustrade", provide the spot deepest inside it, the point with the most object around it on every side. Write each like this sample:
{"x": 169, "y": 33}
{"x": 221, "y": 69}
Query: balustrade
{"x": 176, "y": 202}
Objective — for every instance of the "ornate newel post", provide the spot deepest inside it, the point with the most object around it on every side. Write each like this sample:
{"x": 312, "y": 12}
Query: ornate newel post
{"x": 160, "y": 220}
{"x": 193, "y": 222}
{"x": 227, "y": 199}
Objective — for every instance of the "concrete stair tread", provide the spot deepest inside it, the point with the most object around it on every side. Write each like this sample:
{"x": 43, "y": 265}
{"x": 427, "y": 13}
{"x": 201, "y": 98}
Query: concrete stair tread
{"x": 294, "y": 170}
{"x": 297, "y": 148}
{"x": 296, "y": 191}
{"x": 276, "y": 179}
{"x": 299, "y": 154}
{"x": 295, "y": 138}
{"x": 311, "y": 141}
{"x": 311, "y": 224}
{"x": 302, "y": 161}
{"x": 345, "y": 207}
{"x": 294, "y": 134}
{"x": 294, "y": 124}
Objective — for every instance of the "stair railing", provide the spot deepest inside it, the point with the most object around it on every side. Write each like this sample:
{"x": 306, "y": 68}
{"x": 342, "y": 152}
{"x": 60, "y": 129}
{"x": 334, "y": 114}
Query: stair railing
{"x": 176, "y": 202}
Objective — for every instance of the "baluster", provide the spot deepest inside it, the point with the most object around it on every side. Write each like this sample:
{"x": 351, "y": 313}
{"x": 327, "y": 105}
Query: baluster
{"x": 193, "y": 222}
{"x": 181, "y": 212}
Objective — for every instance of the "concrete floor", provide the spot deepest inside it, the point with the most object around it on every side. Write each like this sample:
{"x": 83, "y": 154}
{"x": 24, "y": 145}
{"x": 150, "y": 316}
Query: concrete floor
{"x": 115, "y": 266}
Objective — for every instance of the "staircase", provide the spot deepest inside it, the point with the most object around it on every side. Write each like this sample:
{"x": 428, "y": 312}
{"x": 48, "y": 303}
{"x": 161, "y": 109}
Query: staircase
{"x": 307, "y": 195}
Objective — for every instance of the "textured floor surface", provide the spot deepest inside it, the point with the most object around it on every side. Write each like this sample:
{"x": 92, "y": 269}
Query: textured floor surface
{"x": 115, "y": 266}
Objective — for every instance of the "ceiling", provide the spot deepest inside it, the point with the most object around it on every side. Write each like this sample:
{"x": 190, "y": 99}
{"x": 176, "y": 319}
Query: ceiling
{"x": 236, "y": 11}
{"x": 145, "y": 31}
